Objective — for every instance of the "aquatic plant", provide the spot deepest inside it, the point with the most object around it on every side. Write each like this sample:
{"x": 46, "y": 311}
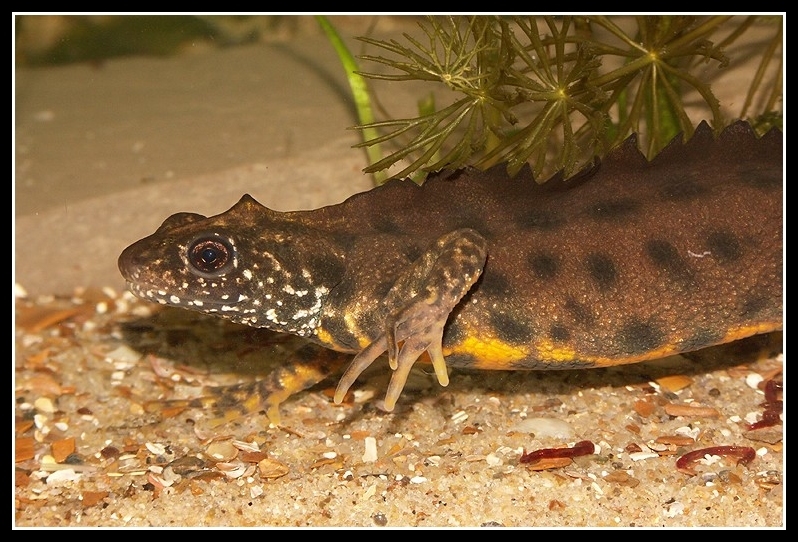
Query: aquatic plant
{"x": 556, "y": 91}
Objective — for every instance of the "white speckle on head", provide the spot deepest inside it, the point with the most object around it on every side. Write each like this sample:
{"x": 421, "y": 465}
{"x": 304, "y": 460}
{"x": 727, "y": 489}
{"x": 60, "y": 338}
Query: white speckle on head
{"x": 269, "y": 280}
{"x": 242, "y": 297}
{"x": 267, "y": 296}
{"x": 271, "y": 315}
{"x": 306, "y": 273}
{"x": 288, "y": 289}
{"x": 225, "y": 296}
{"x": 174, "y": 299}
{"x": 247, "y": 274}
{"x": 229, "y": 308}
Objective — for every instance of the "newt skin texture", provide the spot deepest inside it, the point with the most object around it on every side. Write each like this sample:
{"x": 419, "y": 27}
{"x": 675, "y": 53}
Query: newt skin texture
{"x": 627, "y": 261}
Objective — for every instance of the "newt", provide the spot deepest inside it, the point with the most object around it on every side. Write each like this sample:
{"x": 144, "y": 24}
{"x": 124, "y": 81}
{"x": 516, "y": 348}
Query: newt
{"x": 629, "y": 260}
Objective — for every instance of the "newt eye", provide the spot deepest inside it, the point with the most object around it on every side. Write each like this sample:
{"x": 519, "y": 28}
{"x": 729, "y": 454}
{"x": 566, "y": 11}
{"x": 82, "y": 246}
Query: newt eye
{"x": 211, "y": 256}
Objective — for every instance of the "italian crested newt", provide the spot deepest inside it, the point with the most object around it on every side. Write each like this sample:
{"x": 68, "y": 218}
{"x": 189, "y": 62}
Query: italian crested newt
{"x": 629, "y": 260}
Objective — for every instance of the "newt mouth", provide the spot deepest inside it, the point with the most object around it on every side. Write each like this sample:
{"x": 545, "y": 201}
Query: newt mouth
{"x": 159, "y": 295}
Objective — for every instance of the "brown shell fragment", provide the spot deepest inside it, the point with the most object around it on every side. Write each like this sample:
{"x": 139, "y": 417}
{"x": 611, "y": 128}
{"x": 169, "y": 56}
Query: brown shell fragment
{"x": 188, "y": 465}
{"x": 91, "y": 498}
{"x": 769, "y": 435}
{"x": 644, "y": 408}
{"x": 674, "y": 383}
{"x": 673, "y": 409}
{"x": 272, "y": 469}
{"x": 24, "y": 449}
{"x": 43, "y": 384}
{"x": 548, "y": 463}
{"x": 676, "y": 440}
{"x": 35, "y": 319}
{"x": 622, "y": 478}
{"x": 20, "y": 426}
{"x": 62, "y": 448}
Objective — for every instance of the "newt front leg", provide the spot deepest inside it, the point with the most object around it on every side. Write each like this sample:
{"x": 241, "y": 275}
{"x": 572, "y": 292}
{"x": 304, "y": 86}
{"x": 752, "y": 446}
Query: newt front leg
{"x": 418, "y": 306}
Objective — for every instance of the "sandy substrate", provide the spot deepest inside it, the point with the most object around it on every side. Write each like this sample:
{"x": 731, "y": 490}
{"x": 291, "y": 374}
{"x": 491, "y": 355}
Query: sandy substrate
{"x": 105, "y": 153}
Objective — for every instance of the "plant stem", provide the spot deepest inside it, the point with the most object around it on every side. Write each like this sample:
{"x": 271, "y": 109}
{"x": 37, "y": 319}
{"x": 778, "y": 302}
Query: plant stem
{"x": 360, "y": 94}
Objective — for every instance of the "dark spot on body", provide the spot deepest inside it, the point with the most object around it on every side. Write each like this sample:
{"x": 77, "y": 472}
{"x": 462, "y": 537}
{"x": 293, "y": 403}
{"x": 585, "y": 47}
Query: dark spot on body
{"x": 539, "y": 219}
{"x": 701, "y": 339}
{"x": 413, "y": 252}
{"x": 762, "y": 179}
{"x": 537, "y": 365}
{"x": 493, "y": 284}
{"x": 544, "y": 266}
{"x": 602, "y": 270}
{"x": 724, "y": 246}
{"x": 614, "y": 209}
{"x": 307, "y": 353}
{"x": 324, "y": 270}
{"x": 511, "y": 329}
{"x": 472, "y": 221}
{"x": 639, "y": 338}
{"x": 342, "y": 294}
{"x": 453, "y": 333}
{"x": 527, "y": 364}
{"x": 382, "y": 287}
{"x": 383, "y": 223}
{"x": 665, "y": 256}
{"x": 573, "y": 364}
{"x": 231, "y": 398}
{"x": 559, "y": 333}
{"x": 580, "y": 313}
{"x": 342, "y": 240}
{"x": 461, "y": 360}
{"x": 683, "y": 188}
{"x": 753, "y": 305}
